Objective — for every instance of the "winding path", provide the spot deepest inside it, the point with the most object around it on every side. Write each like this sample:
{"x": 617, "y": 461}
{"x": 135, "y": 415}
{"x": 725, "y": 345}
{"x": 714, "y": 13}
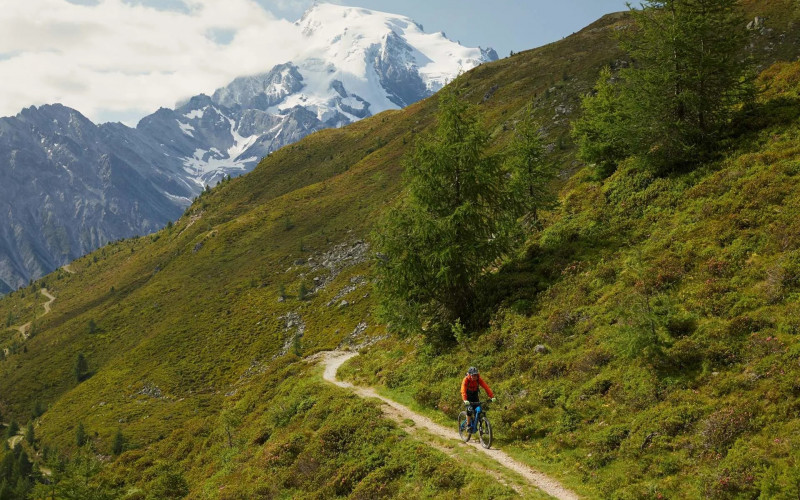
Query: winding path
{"x": 334, "y": 359}
{"x": 24, "y": 329}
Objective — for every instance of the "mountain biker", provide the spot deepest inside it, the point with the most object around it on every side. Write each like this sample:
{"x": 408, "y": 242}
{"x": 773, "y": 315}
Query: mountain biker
{"x": 470, "y": 391}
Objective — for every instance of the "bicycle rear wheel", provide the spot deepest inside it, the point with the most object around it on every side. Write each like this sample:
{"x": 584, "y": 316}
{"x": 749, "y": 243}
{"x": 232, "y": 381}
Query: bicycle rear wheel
{"x": 485, "y": 431}
{"x": 463, "y": 428}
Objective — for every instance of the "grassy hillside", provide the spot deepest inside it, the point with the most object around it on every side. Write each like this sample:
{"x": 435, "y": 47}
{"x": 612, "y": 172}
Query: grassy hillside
{"x": 195, "y": 335}
{"x": 648, "y": 338}
{"x": 236, "y": 246}
{"x": 183, "y": 324}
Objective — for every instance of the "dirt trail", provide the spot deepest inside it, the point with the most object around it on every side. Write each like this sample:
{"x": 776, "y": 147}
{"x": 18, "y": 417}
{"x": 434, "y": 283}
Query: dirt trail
{"x": 67, "y": 269}
{"x": 13, "y": 440}
{"x": 24, "y": 329}
{"x": 334, "y": 359}
{"x": 47, "y": 304}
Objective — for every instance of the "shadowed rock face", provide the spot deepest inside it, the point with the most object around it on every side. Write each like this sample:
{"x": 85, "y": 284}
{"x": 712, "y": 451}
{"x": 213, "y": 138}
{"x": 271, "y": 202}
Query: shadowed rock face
{"x": 261, "y": 91}
{"x": 398, "y": 72}
{"x": 68, "y": 186}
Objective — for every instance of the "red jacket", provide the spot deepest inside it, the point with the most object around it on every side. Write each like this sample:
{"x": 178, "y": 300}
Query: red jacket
{"x": 472, "y": 385}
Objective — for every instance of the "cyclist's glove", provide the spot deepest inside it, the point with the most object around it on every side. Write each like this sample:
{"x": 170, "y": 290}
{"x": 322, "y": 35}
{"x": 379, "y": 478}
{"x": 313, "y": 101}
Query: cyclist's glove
{"x": 494, "y": 399}
{"x": 466, "y": 403}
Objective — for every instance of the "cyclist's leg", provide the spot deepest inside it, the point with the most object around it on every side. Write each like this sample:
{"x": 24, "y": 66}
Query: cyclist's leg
{"x": 473, "y": 398}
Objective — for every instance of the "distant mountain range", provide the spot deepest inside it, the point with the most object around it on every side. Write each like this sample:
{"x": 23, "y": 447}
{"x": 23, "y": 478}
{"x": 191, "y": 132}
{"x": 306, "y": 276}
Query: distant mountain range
{"x": 69, "y": 186}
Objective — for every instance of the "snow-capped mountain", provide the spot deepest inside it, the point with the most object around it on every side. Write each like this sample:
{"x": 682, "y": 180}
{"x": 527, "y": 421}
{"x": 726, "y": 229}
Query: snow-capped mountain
{"x": 354, "y": 63}
{"x": 70, "y": 186}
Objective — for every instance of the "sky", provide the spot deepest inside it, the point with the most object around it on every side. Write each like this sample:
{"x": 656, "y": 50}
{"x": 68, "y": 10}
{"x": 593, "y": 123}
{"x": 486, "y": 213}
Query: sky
{"x": 119, "y": 60}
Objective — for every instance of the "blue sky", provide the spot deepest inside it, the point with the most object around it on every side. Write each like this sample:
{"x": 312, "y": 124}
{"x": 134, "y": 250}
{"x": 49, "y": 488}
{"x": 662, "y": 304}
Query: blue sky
{"x": 119, "y": 60}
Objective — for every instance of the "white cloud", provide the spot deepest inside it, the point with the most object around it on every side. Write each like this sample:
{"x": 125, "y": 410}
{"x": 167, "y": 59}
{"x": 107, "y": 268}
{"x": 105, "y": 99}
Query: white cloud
{"x": 123, "y": 58}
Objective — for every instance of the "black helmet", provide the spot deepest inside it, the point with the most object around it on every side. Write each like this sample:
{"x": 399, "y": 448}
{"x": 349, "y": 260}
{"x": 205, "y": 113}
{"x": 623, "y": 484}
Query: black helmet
{"x": 472, "y": 371}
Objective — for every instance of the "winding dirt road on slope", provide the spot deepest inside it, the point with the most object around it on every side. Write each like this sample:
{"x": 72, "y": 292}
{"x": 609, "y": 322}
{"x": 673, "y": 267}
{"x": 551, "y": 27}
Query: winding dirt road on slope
{"x": 24, "y": 329}
{"x": 47, "y": 304}
{"x": 334, "y": 359}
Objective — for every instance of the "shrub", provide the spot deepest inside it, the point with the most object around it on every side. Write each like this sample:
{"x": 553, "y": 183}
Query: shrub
{"x": 724, "y": 426}
{"x": 673, "y": 420}
{"x": 425, "y": 396}
{"x": 169, "y": 483}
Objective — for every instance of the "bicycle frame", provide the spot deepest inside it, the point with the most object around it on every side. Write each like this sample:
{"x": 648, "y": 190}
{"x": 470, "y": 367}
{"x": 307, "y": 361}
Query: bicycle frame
{"x": 478, "y": 409}
{"x": 479, "y": 424}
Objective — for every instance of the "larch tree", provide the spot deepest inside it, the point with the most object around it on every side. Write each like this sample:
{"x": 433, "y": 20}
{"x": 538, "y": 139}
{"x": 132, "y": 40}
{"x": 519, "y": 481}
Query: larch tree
{"x": 689, "y": 70}
{"x": 457, "y": 216}
{"x": 599, "y": 131}
{"x": 530, "y": 169}
{"x": 672, "y": 105}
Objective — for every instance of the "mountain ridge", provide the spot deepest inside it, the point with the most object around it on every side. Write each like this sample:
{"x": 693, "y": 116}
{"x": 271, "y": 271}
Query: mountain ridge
{"x": 357, "y": 63}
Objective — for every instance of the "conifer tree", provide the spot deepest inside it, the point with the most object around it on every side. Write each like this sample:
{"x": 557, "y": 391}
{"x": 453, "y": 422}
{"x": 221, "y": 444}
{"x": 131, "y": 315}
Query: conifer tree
{"x": 118, "y": 445}
{"x": 529, "y": 167}
{"x": 8, "y": 466}
{"x": 81, "y": 367}
{"x": 599, "y": 131}
{"x": 22, "y": 487}
{"x": 689, "y": 71}
{"x": 12, "y": 430}
{"x": 30, "y": 435}
{"x": 38, "y": 408}
{"x": 24, "y": 465}
{"x": 456, "y": 218}
{"x": 80, "y": 435}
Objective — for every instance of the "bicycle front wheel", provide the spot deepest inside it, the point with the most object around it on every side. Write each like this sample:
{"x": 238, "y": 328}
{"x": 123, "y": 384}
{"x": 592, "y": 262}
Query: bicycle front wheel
{"x": 485, "y": 431}
{"x": 463, "y": 428}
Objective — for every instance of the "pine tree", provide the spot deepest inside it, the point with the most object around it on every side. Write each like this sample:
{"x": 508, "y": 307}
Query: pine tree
{"x": 30, "y": 436}
{"x": 8, "y": 466}
{"x": 80, "y": 435}
{"x": 599, "y": 131}
{"x": 530, "y": 169}
{"x": 22, "y": 488}
{"x": 689, "y": 71}
{"x": 81, "y": 367}
{"x": 12, "y": 430}
{"x": 457, "y": 217}
{"x": 24, "y": 465}
{"x": 38, "y": 409}
{"x": 118, "y": 445}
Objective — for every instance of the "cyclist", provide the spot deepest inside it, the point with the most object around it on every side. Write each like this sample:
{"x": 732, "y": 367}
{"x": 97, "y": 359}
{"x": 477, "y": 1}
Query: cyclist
{"x": 470, "y": 389}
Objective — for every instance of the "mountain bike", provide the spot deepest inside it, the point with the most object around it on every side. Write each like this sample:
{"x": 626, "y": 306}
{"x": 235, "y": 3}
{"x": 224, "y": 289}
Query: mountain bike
{"x": 480, "y": 425}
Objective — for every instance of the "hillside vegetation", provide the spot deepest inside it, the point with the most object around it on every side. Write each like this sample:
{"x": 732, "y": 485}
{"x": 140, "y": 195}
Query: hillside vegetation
{"x": 195, "y": 336}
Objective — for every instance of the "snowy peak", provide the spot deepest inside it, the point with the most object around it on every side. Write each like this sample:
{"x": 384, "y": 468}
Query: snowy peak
{"x": 354, "y": 63}
{"x": 351, "y": 38}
